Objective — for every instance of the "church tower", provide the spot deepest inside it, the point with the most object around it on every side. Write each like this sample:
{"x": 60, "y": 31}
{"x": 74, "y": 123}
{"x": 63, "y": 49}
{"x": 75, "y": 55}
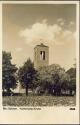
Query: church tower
{"x": 41, "y": 56}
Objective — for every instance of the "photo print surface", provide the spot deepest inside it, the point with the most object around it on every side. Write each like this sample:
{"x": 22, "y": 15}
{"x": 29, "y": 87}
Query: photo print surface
{"x": 39, "y": 55}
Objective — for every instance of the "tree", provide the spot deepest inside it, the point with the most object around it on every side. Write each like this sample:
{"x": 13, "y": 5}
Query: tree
{"x": 72, "y": 84}
{"x": 8, "y": 72}
{"x": 26, "y": 74}
{"x": 52, "y": 78}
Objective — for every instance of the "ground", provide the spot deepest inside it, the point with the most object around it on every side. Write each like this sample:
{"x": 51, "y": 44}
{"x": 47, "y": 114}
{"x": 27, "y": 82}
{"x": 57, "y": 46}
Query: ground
{"x": 39, "y": 101}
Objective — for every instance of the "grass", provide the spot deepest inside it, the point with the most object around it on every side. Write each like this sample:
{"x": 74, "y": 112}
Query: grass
{"x": 39, "y": 100}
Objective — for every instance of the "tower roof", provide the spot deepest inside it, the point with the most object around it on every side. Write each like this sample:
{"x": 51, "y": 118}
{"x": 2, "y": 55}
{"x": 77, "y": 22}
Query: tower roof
{"x": 41, "y": 45}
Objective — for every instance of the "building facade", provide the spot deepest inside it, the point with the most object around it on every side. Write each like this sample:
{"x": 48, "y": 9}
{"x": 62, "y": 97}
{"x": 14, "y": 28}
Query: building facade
{"x": 41, "y": 56}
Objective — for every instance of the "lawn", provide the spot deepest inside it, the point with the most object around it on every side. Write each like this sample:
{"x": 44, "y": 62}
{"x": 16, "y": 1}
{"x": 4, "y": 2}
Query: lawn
{"x": 39, "y": 100}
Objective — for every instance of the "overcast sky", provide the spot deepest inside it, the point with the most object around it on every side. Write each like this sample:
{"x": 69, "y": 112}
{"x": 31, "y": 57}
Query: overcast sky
{"x": 25, "y": 26}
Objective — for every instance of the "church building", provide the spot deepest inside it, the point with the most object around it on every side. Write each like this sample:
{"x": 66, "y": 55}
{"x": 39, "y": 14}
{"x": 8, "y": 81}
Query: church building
{"x": 41, "y": 56}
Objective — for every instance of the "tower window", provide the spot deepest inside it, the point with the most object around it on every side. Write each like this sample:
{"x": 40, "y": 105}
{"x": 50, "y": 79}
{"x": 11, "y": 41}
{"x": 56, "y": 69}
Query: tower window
{"x": 42, "y": 55}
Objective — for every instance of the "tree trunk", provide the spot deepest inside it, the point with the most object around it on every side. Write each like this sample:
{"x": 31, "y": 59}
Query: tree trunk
{"x": 27, "y": 90}
{"x": 8, "y": 90}
{"x": 71, "y": 92}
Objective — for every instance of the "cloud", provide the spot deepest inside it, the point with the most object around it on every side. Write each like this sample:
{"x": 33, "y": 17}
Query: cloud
{"x": 61, "y": 21}
{"x": 18, "y": 49}
{"x": 72, "y": 23}
{"x": 47, "y": 33}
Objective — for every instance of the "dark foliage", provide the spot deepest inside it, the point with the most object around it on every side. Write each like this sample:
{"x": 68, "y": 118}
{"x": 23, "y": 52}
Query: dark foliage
{"x": 8, "y": 72}
{"x": 26, "y": 75}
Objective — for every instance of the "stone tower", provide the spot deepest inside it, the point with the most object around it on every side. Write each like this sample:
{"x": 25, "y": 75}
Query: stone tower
{"x": 41, "y": 55}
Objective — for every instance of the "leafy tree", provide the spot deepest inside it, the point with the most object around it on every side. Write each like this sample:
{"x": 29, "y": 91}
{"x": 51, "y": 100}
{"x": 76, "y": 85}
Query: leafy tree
{"x": 72, "y": 72}
{"x": 8, "y": 72}
{"x": 72, "y": 84}
{"x": 26, "y": 75}
{"x": 52, "y": 78}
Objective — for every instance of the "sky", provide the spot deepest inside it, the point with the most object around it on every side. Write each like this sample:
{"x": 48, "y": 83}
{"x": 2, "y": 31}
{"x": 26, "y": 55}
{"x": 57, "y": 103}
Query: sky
{"x": 27, "y": 25}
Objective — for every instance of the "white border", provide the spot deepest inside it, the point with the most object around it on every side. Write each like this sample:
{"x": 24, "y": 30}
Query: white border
{"x": 41, "y": 2}
{"x": 0, "y": 56}
{"x": 49, "y": 115}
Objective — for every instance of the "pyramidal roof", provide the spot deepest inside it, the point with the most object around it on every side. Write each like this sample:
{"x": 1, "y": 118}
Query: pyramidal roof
{"x": 41, "y": 45}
